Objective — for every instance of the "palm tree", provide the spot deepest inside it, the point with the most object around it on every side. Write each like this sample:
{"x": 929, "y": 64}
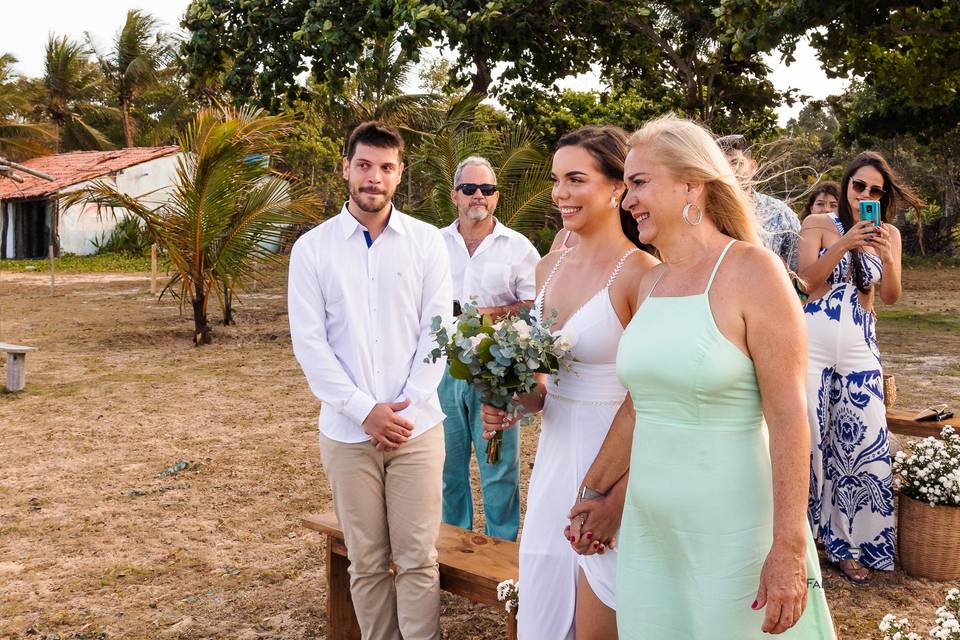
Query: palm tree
{"x": 19, "y": 139}
{"x": 517, "y": 155}
{"x": 225, "y": 208}
{"x": 376, "y": 91}
{"x": 135, "y": 61}
{"x": 73, "y": 96}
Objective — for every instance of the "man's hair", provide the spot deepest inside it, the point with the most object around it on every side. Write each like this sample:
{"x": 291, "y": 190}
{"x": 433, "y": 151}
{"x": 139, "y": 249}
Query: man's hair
{"x": 735, "y": 142}
{"x": 375, "y": 134}
{"x": 472, "y": 161}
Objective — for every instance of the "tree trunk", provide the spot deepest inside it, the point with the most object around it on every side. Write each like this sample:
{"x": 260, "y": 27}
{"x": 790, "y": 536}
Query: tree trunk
{"x": 127, "y": 124}
{"x": 482, "y": 77}
{"x": 201, "y": 328}
{"x": 227, "y": 306}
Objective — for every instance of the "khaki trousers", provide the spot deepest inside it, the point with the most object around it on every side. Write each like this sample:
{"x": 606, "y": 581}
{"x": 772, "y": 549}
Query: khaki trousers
{"x": 389, "y": 505}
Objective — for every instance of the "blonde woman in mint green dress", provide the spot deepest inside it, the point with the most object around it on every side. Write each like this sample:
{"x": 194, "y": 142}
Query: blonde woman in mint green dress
{"x": 714, "y": 541}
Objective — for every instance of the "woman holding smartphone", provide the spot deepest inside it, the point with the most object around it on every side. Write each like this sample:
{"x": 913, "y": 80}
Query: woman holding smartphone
{"x": 846, "y": 259}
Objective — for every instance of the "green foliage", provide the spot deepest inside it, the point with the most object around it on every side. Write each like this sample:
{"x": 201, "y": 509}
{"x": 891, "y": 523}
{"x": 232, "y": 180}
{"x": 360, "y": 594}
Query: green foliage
{"x": 226, "y": 212}
{"x": 133, "y": 63}
{"x": 72, "y": 95}
{"x": 70, "y": 263}
{"x": 127, "y": 238}
{"x": 19, "y": 139}
{"x": 521, "y": 163}
{"x": 554, "y": 113}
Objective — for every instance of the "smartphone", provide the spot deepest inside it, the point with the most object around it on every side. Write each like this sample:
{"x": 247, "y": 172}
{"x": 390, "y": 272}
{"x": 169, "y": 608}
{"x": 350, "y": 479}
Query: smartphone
{"x": 870, "y": 210}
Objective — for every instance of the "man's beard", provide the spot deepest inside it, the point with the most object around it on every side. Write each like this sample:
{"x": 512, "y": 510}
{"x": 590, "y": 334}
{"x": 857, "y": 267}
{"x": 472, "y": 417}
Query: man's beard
{"x": 478, "y": 214}
{"x": 370, "y": 200}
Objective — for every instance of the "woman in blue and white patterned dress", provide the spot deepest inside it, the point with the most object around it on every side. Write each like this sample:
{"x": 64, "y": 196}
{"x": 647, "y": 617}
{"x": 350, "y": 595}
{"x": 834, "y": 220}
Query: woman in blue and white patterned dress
{"x": 845, "y": 263}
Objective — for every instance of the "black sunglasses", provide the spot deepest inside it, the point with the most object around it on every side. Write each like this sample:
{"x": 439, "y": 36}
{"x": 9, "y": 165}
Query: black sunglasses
{"x": 469, "y": 188}
{"x": 859, "y": 185}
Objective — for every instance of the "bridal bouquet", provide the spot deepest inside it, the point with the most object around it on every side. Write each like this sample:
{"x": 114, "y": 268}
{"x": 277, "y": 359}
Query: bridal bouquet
{"x": 500, "y": 358}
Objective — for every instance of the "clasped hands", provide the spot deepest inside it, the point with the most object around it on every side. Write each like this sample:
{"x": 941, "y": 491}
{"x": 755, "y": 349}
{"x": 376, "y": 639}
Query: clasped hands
{"x": 386, "y": 429}
{"x": 594, "y": 522}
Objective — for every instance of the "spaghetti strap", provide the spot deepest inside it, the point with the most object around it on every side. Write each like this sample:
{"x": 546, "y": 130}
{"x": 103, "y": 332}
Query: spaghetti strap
{"x": 663, "y": 272}
{"x": 619, "y": 267}
{"x": 713, "y": 274}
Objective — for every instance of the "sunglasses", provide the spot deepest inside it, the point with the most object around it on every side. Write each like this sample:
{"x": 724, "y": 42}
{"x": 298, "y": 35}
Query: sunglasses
{"x": 469, "y": 188}
{"x": 859, "y": 186}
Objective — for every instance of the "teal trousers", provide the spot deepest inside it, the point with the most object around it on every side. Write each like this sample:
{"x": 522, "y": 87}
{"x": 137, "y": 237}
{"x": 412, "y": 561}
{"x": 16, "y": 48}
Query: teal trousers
{"x": 499, "y": 482}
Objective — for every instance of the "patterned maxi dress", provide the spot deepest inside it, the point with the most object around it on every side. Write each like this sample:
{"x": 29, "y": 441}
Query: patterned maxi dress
{"x": 851, "y": 494}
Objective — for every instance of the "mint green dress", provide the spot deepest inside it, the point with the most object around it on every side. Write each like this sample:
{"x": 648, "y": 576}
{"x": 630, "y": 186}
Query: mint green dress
{"x": 698, "y": 519}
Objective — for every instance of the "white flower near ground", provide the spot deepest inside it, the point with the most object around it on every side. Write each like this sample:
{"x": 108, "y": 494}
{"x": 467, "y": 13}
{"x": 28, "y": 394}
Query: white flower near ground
{"x": 508, "y": 592}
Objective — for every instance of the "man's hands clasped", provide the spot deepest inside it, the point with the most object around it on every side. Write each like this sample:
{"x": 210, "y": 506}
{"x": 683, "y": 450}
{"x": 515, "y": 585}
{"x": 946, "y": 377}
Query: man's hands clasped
{"x": 388, "y": 430}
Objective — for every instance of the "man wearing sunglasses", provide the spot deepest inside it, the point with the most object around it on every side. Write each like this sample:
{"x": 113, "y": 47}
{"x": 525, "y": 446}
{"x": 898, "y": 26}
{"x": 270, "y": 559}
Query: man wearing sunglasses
{"x": 779, "y": 225}
{"x": 493, "y": 267}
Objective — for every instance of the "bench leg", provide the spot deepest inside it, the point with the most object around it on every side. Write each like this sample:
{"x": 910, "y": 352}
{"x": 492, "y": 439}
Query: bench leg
{"x": 341, "y": 618}
{"x": 16, "y": 371}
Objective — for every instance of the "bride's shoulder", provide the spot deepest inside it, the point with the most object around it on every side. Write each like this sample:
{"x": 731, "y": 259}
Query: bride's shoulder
{"x": 547, "y": 262}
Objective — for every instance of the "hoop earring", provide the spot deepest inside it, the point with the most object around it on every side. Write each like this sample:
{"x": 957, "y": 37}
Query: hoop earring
{"x": 686, "y": 216}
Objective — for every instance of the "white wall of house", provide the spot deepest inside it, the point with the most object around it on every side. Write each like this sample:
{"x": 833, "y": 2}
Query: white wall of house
{"x": 80, "y": 225}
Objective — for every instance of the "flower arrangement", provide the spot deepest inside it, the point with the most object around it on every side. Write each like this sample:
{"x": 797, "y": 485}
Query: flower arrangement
{"x": 930, "y": 470}
{"x": 500, "y": 358}
{"x": 946, "y": 626}
{"x": 508, "y": 592}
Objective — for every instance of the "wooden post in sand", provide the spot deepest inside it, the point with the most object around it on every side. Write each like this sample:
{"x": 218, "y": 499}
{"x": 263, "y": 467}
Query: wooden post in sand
{"x": 52, "y": 272}
{"x": 153, "y": 268}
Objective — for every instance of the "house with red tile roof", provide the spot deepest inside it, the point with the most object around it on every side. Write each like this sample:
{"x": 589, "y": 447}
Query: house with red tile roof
{"x": 31, "y": 215}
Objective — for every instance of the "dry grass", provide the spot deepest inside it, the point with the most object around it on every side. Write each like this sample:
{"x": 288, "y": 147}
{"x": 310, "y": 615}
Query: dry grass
{"x": 93, "y": 542}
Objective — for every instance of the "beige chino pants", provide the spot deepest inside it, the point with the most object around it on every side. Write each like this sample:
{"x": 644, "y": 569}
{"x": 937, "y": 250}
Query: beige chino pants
{"x": 389, "y": 505}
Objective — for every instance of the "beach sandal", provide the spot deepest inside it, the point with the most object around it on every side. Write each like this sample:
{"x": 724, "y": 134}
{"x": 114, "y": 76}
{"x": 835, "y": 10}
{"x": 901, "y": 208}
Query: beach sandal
{"x": 852, "y": 571}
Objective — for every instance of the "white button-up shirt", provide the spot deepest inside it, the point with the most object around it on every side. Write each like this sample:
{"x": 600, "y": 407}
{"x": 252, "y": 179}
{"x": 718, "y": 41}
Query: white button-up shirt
{"x": 501, "y": 272}
{"x": 360, "y": 319}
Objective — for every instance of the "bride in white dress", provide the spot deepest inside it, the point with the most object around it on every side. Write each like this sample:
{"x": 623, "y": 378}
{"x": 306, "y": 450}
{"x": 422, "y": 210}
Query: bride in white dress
{"x": 592, "y": 288}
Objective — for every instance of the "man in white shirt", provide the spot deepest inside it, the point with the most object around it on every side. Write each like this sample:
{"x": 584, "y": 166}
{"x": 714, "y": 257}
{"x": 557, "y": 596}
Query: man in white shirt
{"x": 493, "y": 267}
{"x": 779, "y": 225}
{"x": 364, "y": 287}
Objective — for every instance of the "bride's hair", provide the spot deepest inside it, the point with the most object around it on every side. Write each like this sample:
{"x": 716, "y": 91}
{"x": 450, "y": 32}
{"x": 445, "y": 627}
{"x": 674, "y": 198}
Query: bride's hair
{"x": 690, "y": 154}
{"x": 608, "y": 146}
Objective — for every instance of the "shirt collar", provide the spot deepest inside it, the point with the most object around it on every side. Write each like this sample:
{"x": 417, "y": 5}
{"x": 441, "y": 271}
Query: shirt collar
{"x": 453, "y": 229}
{"x": 349, "y": 225}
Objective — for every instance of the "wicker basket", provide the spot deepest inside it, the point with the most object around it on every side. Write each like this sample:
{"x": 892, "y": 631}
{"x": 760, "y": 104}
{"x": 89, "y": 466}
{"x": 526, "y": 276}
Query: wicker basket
{"x": 889, "y": 391}
{"x": 929, "y": 539}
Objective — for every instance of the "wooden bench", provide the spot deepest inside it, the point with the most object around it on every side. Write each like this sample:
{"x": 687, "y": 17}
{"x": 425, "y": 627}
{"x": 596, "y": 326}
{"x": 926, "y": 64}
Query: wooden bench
{"x": 471, "y": 565}
{"x": 902, "y": 422}
{"x": 16, "y": 365}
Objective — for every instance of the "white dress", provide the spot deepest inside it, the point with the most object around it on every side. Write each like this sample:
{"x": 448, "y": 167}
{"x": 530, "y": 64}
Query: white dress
{"x": 579, "y": 407}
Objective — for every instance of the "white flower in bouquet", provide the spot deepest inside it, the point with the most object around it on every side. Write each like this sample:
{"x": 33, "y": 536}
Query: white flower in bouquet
{"x": 524, "y": 330}
{"x": 566, "y": 339}
{"x": 500, "y": 359}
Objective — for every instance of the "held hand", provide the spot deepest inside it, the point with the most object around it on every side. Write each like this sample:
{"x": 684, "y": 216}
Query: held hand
{"x": 495, "y": 419}
{"x": 859, "y": 235}
{"x": 387, "y": 430}
{"x": 594, "y": 524}
{"x": 783, "y": 589}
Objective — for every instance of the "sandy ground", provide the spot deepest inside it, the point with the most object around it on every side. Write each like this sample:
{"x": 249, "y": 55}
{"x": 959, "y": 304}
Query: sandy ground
{"x": 94, "y": 543}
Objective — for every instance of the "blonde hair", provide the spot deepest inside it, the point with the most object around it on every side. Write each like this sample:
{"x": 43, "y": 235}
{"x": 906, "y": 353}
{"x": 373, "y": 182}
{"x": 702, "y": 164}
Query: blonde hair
{"x": 690, "y": 154}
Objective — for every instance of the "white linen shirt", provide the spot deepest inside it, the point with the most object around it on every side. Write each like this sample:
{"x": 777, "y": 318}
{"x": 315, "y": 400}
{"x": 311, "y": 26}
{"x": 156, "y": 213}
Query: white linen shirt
{"x": 360, "y": 320}
{"x": 501, "y": 272}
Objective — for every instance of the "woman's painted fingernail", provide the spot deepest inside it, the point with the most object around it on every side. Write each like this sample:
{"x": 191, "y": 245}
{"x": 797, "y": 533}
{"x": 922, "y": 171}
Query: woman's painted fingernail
{"x": 596, "y": 545}
{"x": 588, "y": 535}
{"x": 754, "y": 605}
